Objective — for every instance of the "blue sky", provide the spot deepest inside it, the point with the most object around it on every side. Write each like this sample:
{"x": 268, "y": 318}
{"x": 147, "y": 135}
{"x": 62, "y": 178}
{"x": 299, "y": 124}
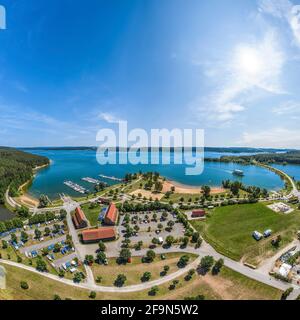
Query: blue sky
{"x": 69, "y": 68}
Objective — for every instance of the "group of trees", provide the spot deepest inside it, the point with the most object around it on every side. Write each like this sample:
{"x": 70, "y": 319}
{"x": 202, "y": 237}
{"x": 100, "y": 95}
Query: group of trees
{"x": 9, "y": 225}
{"x": 16, "y": 168}
{"x": 41, "y": 218}
{"x": 236, "y": 186}
{"x": 151, "y": 206}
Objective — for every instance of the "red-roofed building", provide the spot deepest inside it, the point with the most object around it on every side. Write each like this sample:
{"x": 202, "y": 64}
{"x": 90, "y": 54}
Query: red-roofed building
{"x": 79, "y": 219}
{"x": 111, "y": 216}
{"x": 198, "y": 213}
{"x": 95, "y": 235}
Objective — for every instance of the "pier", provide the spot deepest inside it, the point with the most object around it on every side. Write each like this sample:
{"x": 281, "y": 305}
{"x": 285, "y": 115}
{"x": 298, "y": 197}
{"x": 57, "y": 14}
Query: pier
{"x": 91, "y": 180}
{"x": 76, "y": 187}
{"x": 110, "y": 177}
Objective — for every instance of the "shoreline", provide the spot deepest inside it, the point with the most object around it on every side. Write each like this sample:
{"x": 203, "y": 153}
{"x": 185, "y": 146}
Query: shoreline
{"x": 188, "y": 189}
{"x": 25, "y": 198}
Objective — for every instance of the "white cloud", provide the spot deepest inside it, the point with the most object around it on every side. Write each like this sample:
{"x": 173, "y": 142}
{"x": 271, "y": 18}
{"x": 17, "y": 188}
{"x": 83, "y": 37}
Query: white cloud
{"x": 285, "y": 10}
{"x": 251, "y": 67}
{"x": 273, "y": 138}
{"x": 288, "y": 107}
{"x": 109, "y": 117}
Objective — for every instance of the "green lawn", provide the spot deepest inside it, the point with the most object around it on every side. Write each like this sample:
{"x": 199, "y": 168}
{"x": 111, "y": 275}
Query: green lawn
{"x": 227, "y": 285}
{"x": 91, "y": 214}
{"x": 135, "y": 270}
{"x": 229, "y": 229}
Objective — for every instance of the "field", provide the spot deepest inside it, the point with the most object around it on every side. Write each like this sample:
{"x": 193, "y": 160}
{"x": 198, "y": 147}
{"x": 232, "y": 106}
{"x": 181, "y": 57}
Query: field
{"x": 227, "y": 285}
{"x": 135, "y": 270}
{"x": 229, "y": 229}
{"x": 91, "y": 214}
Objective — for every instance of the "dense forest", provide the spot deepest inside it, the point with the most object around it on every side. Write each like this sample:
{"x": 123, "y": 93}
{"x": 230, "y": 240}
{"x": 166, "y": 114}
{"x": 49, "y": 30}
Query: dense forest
{"x": 281, "y": 158}
{"x": 16, "y": 167}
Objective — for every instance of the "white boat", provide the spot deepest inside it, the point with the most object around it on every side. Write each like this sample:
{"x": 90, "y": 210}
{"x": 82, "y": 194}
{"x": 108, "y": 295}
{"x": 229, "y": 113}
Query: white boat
{"x": 238, "y": 172}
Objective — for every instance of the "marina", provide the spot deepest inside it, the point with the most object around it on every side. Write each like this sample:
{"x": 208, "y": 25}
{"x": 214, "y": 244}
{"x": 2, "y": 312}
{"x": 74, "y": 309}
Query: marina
{"x": 91, "y": 180}
{"x": 76, "y": 187}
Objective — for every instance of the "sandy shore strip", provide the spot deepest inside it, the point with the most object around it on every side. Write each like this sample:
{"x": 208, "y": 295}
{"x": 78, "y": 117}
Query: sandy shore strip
{"x": 185, "y": 189}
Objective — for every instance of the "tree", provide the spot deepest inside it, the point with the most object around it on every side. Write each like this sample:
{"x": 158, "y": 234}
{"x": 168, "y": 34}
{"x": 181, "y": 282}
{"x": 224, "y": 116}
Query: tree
{"x": 190, "y": 274}
{"x": 101, "y": 246}
{"x": 24, "y": 236}
{"x": 218, "y": 266}
{"x": 120, "y": 280}
{"x": 101, "y": 257}
{"x": 99, "y": 279}
{"x": 125, "y": 255}
{"x": 77, "y": 277}
{"x": 92, "y": 295}
{"x": 206, "y": 263}
{"x": 13, "y": 237}
{"x": 205, "y": 191}
{"x": 56, "y": 297}
{"x": 286, "y": 293}
{"x": 47, "y": 231}
{"x": 153, "y": 291}
{"x": 43, "y": 201}
{"x": 37, "y": 233}
{"x": 183, "y": 261}
{"x": 184, "y": 241}
{"x": 198, "y": 243}
{"x": 41, "y": 265}
{"x": 4, "y": 244}
{"x": 169, "y": 240}
{"x": 146, "y": 276}
{"x": 195, "y": 237}
{"x": 89, "y": 259}
{"x": 150, "y": 255}
{"x": 24, "y": 285}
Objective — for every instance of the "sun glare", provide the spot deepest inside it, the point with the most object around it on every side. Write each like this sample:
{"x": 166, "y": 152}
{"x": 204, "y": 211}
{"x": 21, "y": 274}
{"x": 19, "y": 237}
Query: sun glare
{"x": 249, "y": 61}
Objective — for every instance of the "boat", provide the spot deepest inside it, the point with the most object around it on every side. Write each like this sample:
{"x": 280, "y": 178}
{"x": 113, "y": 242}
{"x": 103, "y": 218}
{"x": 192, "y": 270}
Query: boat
{"x": 238, "y": 172}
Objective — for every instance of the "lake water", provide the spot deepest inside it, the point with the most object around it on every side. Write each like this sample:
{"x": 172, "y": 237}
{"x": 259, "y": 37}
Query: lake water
{"x": 292, "y": 170}
{"x": 76, "y": 164}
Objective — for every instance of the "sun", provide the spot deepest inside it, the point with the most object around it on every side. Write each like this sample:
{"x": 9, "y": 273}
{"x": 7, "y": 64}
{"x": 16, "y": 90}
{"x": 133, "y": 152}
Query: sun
{"x": 249, "y": 61}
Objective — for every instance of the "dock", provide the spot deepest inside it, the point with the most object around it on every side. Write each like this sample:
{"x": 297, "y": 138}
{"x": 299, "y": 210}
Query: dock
{"x": 91, "y": 180}
{"x": 110, "y": 178}
{"x": 76, "y": 187}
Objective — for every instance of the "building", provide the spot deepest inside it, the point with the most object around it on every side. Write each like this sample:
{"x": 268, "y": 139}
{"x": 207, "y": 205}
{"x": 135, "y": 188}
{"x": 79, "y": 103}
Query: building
{"x": 95, "y": 235}
{"x": 103, "y": 200}
{"x": 111, "y": 216}
{"x": 79, "y": 219}
{"x": 198, "y": 213}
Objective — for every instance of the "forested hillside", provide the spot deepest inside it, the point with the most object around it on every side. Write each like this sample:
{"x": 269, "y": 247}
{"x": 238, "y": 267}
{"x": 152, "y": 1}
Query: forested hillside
{"x": 283, "y": 158}
{"x": 16, "y": 167}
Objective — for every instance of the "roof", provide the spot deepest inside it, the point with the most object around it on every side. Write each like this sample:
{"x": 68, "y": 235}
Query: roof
{"x": 198, "y": 211}
{"x": 80, "y": 216}
{"x": 112, "y": 212}
{"x": 98, "y": 234}
{"x": 285, "y": 269}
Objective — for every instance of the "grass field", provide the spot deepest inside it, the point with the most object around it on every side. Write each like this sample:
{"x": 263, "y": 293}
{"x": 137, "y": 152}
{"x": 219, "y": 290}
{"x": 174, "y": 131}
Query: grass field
{"x": 227, "y": 285}
{"x": 91, "y": 214}
{"x": 135, "y": 270}
{"x": 229, "y": 229}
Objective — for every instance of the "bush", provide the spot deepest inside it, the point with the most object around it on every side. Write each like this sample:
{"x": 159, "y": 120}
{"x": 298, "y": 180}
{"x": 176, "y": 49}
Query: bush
{"x": 24, "y": 285}
{"x": 286, "y": 293}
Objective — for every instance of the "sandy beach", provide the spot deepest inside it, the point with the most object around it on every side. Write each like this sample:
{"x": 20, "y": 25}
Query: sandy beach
{"x": 184, "y": 189}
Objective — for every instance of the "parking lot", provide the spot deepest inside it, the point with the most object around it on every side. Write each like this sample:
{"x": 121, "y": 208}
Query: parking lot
{"x": 152, "y": 225}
